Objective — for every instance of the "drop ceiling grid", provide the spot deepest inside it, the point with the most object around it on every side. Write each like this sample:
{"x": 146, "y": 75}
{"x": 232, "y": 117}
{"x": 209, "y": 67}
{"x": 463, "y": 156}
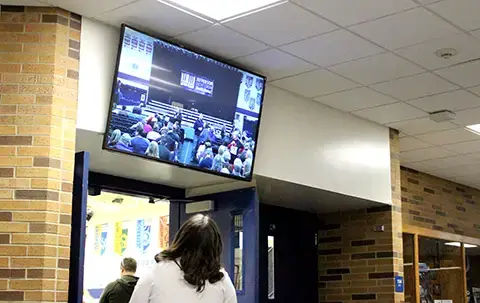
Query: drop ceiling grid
{"x": 442, "y": 78}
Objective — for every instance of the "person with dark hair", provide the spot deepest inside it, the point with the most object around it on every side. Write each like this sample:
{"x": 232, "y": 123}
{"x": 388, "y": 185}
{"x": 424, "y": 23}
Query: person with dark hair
{"x": 121, "y": 290}
{"x": 189, "y": 271}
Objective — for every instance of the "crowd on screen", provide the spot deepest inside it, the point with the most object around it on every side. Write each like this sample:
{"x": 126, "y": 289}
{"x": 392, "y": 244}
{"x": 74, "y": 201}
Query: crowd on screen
{"x": 162, "y": 136}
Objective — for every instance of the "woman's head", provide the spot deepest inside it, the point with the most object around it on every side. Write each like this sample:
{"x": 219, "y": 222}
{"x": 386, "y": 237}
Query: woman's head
{"x": 125, "y": 139}
{"x": 198, "y": 247}
{"x": 152, "y": 150}
{"x": 115, "y": 137}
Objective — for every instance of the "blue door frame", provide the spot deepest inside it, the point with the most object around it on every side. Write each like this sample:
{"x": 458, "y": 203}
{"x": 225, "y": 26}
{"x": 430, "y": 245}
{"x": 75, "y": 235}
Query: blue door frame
{"x": 227, "y": 205}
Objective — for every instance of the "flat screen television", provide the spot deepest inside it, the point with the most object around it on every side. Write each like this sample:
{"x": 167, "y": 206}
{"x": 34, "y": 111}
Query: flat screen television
{"x": 177, "y": 106}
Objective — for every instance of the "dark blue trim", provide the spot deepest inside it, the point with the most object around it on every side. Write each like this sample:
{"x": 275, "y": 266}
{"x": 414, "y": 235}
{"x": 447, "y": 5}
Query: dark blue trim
{"x": 247, "y": 113}
{"x": 79, "y": 225}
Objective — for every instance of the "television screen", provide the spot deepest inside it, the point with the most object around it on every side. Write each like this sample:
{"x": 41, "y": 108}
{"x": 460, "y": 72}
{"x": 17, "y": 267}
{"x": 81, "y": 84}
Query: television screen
{"x": 177, "y": 106}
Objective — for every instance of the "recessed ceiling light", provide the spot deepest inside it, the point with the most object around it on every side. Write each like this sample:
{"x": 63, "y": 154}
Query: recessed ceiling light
{"x": 221, "y": 9}
{"x": 457, "y": 244}
{"x": 475, "y": 128}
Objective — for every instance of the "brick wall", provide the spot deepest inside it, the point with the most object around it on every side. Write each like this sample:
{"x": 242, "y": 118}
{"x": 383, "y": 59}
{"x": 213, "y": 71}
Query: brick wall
{"x": 356, "y": 263}
{"x": 39, "y": 53}
{"x": 438, "y": 204}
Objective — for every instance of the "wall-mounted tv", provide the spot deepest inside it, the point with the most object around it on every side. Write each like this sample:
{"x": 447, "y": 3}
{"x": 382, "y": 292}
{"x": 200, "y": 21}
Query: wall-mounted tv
{"x": 177, "y": 106}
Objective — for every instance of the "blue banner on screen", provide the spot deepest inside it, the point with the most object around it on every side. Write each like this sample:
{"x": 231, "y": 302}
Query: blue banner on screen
{"x": 196, "y": 84}
{"x": 180, "y": 107}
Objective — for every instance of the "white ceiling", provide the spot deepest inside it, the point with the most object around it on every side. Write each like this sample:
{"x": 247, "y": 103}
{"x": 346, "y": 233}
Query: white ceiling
{"x": 373, "y": 58}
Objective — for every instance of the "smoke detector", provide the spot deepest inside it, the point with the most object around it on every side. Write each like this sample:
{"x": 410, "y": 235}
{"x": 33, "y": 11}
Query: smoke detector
{"x": 442, "y": 116}
{"x": 446, "y": 53}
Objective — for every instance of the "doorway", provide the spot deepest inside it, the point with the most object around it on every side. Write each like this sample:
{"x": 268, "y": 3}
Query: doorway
{"x": 119, "y": 226}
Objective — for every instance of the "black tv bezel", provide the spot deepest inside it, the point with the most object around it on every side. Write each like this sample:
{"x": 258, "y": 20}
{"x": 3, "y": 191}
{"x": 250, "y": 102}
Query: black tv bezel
{"x": 178, "y": 164}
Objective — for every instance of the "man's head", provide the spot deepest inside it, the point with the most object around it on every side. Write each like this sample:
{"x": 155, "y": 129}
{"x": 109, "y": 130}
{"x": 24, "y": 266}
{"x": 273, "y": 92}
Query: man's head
{"x": 128, "y": 267}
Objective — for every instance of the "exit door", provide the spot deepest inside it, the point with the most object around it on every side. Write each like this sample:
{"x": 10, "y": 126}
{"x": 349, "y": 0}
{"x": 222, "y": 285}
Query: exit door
{"x": 236, "y": 214}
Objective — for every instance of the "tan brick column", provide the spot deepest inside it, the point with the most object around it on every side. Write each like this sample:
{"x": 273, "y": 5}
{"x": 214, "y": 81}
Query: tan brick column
{"x": 39, "y": 54}
{"x": 397, "y": 237}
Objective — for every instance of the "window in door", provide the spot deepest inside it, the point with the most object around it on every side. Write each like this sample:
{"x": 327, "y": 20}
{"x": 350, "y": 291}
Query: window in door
{"x": 238, "y": 251}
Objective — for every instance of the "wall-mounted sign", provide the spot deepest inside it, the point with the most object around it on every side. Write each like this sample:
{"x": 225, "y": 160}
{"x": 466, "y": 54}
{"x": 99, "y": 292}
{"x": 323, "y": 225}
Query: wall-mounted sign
{"x": 399, "y": 285}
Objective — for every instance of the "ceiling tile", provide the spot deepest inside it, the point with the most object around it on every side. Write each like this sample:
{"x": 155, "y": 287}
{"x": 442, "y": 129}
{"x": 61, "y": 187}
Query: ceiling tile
{"x": 415, "y": 86}
{"x": 378, "y": 68}
{"x": 275, "y": 64}
{"x": 154, "y": 16}
{"x": 412, "y": 143}
{"x": 448, "y": 162}
{"x": 468, "y": 147}
{"x": 475, "y": 90}
{"x": 454, "y": 101}
{"x": 332, "y": 48}
{"x": 424, "y": 154}
{"x": 459, "y": 171}
{"x": 273, "y": 27}
{"x": 466, "y": 75}
{"x": 390, "y": 113}
{"x": 348, "y": 12}
{"x": 467, "y": 48}
{"x": 315, "y": 83}
{"x": 355, "y": 99}
{"x": 448, "y": 136}
{"x": 476, "y": 33}
{"x": 468, "y": 117}
{"x": 421, "y": 126}
{"x": 89, "y": 8}
{"x": 404, "y": 29}
{"x": 463, "y": 13}
{"x": 222, "y": 41}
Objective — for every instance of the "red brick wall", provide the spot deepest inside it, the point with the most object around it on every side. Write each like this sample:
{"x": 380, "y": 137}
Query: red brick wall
{"x": 39, "y": 53}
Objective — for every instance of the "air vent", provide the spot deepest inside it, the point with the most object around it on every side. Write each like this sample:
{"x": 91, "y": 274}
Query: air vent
{"x": 442, "y": 116}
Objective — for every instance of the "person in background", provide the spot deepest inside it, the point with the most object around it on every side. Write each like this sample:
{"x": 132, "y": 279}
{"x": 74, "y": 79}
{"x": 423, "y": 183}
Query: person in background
{"x": 198, "y": 127}
{"x": 237, "y": 167}
{"x": 178, "y": 116}
{"x": 138, "y": 127}
{"x": 154, "y": 135}
{"x": 152, "y": 150}
{"x": 124, "y": 111}
{"x": 207, "y": 160}
{"x": 140, "y": 143}
{"x": 225, "y": 171}
{"x": 124, "y": 143}
{"x": 247, "y": 167}
{"x": 217, "y": 163}
{"x": 148, "y": 127}
{"x": 120, "y": 291}
{"x": 163, "y": 151}
{"x": 189, "y": 271}
{"x": 114, "y": 138}
{"x": 236, "y": 146}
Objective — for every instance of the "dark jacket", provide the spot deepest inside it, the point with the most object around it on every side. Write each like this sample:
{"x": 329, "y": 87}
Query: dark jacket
{"x": 119, "y": 291}
{"x": 198, "y": 126}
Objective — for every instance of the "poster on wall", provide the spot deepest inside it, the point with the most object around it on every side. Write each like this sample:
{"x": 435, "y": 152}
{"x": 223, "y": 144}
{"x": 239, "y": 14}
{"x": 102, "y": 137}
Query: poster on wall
{"x": 143, "y": 230}
{"x": 101, "y": 234}
{"x": 164, "y": 232}
{"x": 121, "y": 237}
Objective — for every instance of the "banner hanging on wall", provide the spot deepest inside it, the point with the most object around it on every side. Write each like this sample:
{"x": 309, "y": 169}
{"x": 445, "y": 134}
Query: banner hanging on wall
{"x": 164, "y": 232}
{"x": 144, "y": 228}
{"x": 121, "y": 238}
{"x": 101, "y": 234}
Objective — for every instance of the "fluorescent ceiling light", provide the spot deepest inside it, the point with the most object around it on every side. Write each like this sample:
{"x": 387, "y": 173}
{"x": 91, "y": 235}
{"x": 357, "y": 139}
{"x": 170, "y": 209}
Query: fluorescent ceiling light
{"x": 221, "y": 9}
{"x": 457, "y": 244}
{"x": 475, "y": 128}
